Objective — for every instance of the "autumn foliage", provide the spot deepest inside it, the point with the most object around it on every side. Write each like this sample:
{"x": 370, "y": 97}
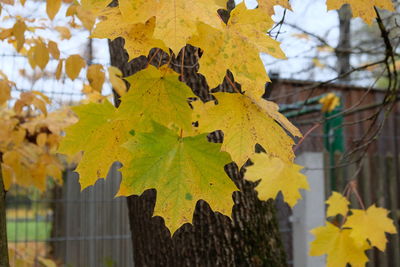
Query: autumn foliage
{"x": 159, "y": 131}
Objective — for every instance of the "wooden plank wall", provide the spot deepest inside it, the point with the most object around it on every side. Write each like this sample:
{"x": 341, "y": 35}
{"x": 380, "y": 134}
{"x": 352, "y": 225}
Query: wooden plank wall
{"x": 355, "y": 125}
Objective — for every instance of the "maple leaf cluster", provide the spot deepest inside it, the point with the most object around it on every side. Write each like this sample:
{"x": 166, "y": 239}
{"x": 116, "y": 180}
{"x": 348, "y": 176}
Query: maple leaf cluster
{"x": 152, "y": 132}
{"x": 360, "y": 230}
{"x": 39, "y": 49}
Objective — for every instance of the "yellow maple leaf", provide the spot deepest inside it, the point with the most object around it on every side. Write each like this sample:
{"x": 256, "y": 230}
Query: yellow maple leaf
{"x": 95, "y": 5}
{"x": 338, "y": 245}
{"x": 138, "y": 36}
{"x": 245, "y": 125}
{"x": 177, "y": 20}
{"x": 362, "y": 8}
{"x": 100, "y": 135}
{"x": 329, "y": 102}
{"x": 276, "y": 176}
{"x": 338, "y": 204}
{"x": 138, "y": 11}
{"x": 370, "y": 224}
{"x": 241, "y": 40}
{"x": 74, "y": 65}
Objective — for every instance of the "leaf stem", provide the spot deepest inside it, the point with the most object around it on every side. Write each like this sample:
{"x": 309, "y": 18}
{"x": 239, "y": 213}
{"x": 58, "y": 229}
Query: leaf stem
{"x": 232, "y": 84}
{"x": 353, "y": 187}
{"x": 152, "y": 57}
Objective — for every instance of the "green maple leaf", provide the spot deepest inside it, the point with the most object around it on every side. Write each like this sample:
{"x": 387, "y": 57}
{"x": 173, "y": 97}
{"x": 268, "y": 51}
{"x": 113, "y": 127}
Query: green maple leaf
{"x": 182, "y": 170}
{"x": 100, "y": 135}
{"x": 157, "y": 94}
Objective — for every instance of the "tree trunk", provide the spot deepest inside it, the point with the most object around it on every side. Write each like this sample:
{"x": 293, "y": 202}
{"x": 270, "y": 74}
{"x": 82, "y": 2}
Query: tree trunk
{"x": 250, "y": 238}
{"x": 3, "y": 225}
{"x": 344, "y": 45}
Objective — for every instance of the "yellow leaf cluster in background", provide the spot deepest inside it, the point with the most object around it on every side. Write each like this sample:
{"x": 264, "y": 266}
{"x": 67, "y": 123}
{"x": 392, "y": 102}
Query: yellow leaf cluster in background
{"x": 347, "y": 243}
{"x": 29, "y": 138}
{"x": 27, "y": 257}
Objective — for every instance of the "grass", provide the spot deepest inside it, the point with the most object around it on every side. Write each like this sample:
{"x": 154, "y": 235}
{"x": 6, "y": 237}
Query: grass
{"x": 29, "y": 230}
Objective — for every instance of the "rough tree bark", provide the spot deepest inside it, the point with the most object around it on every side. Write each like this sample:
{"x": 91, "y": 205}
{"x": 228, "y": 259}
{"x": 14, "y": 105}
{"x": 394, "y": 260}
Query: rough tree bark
{"x": 251, "y": 238}
{"x": 3, "y": 225}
